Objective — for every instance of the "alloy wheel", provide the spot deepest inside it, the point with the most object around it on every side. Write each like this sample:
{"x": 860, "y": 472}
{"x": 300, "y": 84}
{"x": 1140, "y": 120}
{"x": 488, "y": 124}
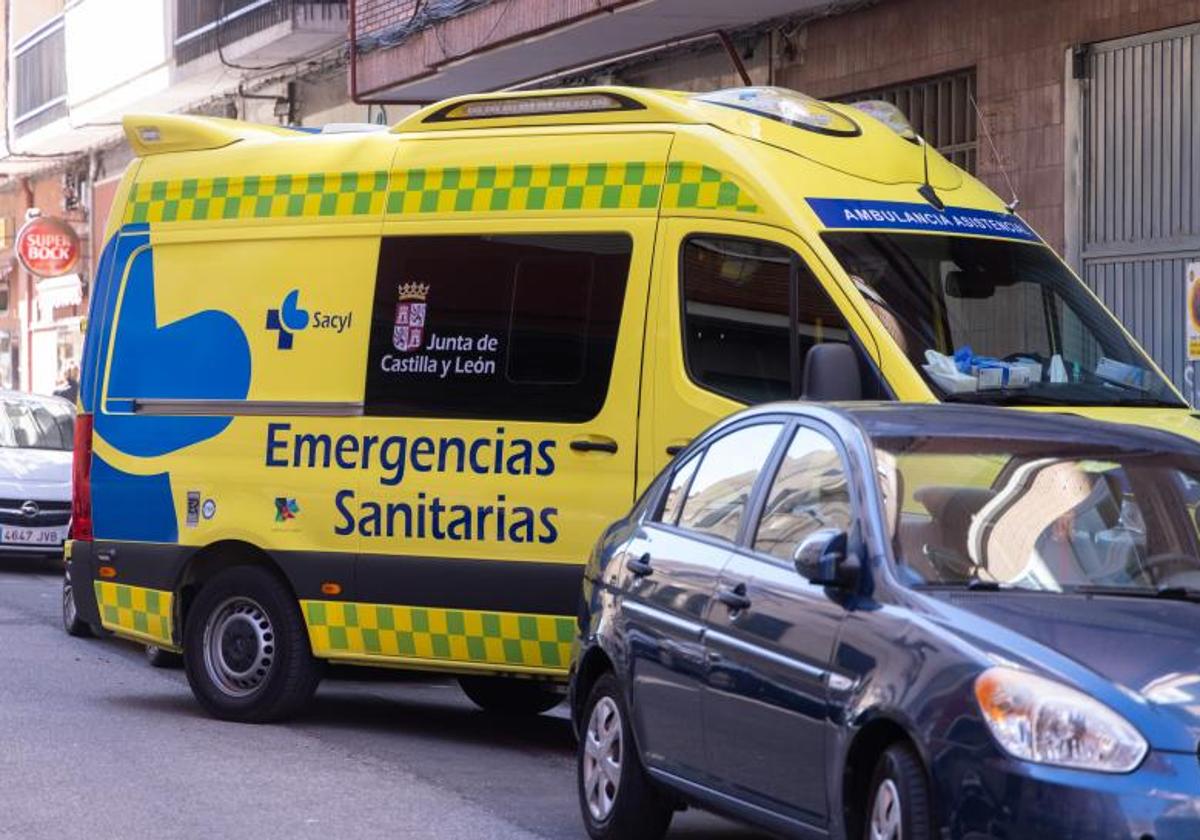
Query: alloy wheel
{"x": 885, "y": 813}
{"x": 602, "y": 758}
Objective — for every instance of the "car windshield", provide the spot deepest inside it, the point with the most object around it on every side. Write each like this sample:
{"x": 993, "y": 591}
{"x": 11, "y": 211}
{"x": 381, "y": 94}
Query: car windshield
{"x": 1041, "y": 515}
{"x": 989, "y": 321}
{"x": 36, "y": 424}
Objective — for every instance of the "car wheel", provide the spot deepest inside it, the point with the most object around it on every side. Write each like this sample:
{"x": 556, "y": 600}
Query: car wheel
{"x": 72, "y": 623}
{"x": 246, "y": 649}
{"x": 898, "y": 804}
{"x": 509, "y": 696}
{"x": 616, "y": 797}
{"x": 162, "y": 658}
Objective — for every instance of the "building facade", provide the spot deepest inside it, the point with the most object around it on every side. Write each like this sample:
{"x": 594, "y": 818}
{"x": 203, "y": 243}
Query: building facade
{"x": 74, "y": 67}
{"x": 1087, "y": 112}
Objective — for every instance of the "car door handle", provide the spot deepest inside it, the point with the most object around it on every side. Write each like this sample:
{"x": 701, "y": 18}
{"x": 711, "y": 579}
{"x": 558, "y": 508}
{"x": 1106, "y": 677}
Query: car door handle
{"x": 734, "y": 597}
{"x": 591, "y": 445}
{"x": 640, "y": 566}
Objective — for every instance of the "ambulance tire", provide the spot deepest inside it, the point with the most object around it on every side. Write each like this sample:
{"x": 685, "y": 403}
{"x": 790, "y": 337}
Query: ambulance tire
{"x": 246, "y": 650}
{"x": 72, "y": 623}
{"x": 508, "y": 696}
{"x": 629, "y": 807}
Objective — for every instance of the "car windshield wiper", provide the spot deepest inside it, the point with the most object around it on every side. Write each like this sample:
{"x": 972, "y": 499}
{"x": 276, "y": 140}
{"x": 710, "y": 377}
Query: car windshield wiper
{"x": 1166, "y": 593}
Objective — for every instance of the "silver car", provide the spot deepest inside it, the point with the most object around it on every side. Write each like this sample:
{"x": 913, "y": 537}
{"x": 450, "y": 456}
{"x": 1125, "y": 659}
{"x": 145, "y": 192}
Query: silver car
{"x": 36, "y": 435}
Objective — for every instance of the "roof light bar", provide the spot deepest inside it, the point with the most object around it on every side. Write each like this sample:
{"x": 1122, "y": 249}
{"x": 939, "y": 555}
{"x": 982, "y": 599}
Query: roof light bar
{"x": 888, "y": 114}
{"x": 786, "y": 106}
{"x": 535, "y": 106}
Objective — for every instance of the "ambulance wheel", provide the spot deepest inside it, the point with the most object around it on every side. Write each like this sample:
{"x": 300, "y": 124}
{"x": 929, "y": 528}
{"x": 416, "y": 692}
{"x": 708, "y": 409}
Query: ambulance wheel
{"x": 508, "y": 696}
{"x": 72, "y": 623}
{"x": 616, "y": 797}
{"x": 246, "y": 650}
{"x": 162, "y": 658}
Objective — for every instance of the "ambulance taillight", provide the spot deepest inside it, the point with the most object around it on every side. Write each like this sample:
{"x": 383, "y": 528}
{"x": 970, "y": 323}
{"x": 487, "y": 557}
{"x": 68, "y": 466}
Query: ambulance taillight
{"x": 81, "y": 479}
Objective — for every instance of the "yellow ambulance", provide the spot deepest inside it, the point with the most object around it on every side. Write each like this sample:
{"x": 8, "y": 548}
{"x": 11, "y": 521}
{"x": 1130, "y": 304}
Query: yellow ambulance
{"x": 369, "y": 396}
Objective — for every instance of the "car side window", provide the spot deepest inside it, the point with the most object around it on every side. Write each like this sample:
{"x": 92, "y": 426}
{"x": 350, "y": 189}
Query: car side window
{"x": 810, "y": 491}
{"x": 716, "y": 500}
{"x": 679, "y": 483}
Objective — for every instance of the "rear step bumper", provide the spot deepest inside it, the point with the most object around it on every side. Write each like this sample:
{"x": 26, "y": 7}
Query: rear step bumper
{"x": 81, "y": 568}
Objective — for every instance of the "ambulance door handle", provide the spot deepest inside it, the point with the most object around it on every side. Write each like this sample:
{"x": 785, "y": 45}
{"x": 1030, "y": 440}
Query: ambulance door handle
{"x": 592, "y": 445}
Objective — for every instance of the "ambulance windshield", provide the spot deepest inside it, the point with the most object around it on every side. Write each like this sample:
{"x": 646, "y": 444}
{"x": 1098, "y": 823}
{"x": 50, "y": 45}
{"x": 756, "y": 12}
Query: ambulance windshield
{"x": 993, "y": 321}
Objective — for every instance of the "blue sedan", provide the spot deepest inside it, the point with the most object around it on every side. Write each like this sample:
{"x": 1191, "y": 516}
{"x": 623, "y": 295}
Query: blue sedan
{"x": 900, "y": 623}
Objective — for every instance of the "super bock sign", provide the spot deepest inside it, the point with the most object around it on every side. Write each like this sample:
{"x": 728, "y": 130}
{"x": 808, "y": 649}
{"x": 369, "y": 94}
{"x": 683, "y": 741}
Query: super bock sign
{"x": 409, "y": 329}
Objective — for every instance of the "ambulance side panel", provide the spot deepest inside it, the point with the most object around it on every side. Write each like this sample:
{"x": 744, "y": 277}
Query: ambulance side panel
{"x": 239, "y": 307}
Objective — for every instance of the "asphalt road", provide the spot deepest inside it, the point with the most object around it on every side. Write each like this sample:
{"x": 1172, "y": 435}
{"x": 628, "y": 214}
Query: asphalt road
{"x": 96, "y": 744}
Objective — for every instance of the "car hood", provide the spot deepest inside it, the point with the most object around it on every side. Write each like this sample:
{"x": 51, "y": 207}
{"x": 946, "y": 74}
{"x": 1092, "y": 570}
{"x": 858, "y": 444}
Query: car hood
{"x": 39, "y": 474}
{"x": 1149, "y": 647}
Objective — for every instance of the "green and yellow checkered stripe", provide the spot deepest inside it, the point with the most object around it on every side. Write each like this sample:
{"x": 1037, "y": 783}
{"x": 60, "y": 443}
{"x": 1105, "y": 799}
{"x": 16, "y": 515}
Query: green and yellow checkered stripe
{"x": 504, "y": 640}
{"x": 258, "y": 197}
{"x": 522, "y": 188}
{"x": 135, "y": 611}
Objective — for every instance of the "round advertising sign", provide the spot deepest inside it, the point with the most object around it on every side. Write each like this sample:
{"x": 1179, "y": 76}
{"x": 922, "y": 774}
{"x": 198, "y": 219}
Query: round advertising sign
{"x": 47, "y": 247}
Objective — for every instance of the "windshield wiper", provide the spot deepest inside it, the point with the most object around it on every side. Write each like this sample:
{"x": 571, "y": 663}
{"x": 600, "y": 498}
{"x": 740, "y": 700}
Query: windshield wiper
{"x": 1165, "y": 593}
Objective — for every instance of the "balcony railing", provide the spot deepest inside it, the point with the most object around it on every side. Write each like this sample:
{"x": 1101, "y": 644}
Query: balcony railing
{"x": 204, "y": 26}
{"x": 39, "y": 78}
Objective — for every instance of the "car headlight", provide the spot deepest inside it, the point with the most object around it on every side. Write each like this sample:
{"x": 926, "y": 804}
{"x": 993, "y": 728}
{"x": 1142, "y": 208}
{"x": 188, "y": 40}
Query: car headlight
{"x": 1040, "y": 720}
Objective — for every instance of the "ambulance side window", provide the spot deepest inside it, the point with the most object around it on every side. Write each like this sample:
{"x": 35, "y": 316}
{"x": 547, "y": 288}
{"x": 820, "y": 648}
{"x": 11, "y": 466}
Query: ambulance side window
{"x": 745, "y": 302}
{"x": 497, "y": 327}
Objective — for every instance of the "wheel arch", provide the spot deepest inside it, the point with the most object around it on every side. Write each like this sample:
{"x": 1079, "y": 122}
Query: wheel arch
{"x": 592, "y": 665}
{"x": 869, "y": 742}
{"x": 209, "y": 561}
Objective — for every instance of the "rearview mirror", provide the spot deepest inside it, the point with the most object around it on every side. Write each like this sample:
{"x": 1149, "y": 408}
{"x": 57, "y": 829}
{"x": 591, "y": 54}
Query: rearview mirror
{"x": 823, "y": 558}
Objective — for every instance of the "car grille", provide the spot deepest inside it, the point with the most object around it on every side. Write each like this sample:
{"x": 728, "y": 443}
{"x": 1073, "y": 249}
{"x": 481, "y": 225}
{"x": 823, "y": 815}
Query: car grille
{"x": 49, "y": 514}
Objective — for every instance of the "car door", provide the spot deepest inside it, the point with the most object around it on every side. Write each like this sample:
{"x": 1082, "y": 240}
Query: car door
{"x": 734, "y": 311}
{"x": 672, "y": 566}
{"x": 771, "y": 637}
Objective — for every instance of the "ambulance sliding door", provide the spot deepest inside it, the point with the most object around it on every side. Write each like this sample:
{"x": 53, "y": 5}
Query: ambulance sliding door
{"x": 505, "y": 350}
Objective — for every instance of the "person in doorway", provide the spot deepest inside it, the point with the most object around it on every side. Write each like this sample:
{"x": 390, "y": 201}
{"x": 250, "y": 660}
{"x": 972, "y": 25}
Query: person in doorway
{"x": 69, "y": 389}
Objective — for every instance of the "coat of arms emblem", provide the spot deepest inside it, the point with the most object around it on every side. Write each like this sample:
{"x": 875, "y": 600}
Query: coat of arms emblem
{"x": 409, "y": 329}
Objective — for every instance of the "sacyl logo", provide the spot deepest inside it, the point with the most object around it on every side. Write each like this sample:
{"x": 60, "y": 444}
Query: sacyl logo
{"x": 290, "y": 319}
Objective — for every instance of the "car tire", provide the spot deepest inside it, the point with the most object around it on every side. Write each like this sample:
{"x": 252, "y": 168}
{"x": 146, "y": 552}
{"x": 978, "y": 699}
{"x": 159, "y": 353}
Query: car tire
{"x": 629, "y": 806}
{"x": 162, "y": 658}
{"x": 510, "y": 696}
{"x": 72, "y": 623}
{"x": 898, "y": 802}
{"x": 246, "y": 650}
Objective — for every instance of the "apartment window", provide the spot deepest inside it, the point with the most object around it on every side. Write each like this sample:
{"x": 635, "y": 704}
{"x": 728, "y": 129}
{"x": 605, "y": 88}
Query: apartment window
{"x": 39, "y": 66}
{"x": 941, "y": 109}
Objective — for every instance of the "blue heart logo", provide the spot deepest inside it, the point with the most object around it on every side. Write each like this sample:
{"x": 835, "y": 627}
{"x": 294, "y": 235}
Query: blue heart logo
{"x": 204, "y": 356}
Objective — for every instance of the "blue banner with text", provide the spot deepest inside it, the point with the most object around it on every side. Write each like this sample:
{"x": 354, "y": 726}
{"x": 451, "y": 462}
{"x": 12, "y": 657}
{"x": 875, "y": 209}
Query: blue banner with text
{"x": 857, "y": 214}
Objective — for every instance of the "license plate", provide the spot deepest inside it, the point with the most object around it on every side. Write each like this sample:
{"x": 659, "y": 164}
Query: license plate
{"x": 15, "y": 535}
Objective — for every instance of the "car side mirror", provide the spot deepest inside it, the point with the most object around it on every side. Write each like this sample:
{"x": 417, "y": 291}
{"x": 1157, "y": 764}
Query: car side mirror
{"x": 823, "y": 558}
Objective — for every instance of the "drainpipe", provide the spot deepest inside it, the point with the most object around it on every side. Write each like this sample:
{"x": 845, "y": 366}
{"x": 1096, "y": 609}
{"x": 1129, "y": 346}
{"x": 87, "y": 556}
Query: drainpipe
{"x": 26, "y": 383}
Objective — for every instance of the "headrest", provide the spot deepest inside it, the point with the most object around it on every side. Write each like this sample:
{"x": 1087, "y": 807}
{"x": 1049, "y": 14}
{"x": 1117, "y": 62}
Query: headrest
{"x": 831, "y": 373}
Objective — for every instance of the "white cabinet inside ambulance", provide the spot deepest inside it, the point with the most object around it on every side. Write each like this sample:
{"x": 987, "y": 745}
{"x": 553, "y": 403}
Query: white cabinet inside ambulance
{"x": 370, "y": 398}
